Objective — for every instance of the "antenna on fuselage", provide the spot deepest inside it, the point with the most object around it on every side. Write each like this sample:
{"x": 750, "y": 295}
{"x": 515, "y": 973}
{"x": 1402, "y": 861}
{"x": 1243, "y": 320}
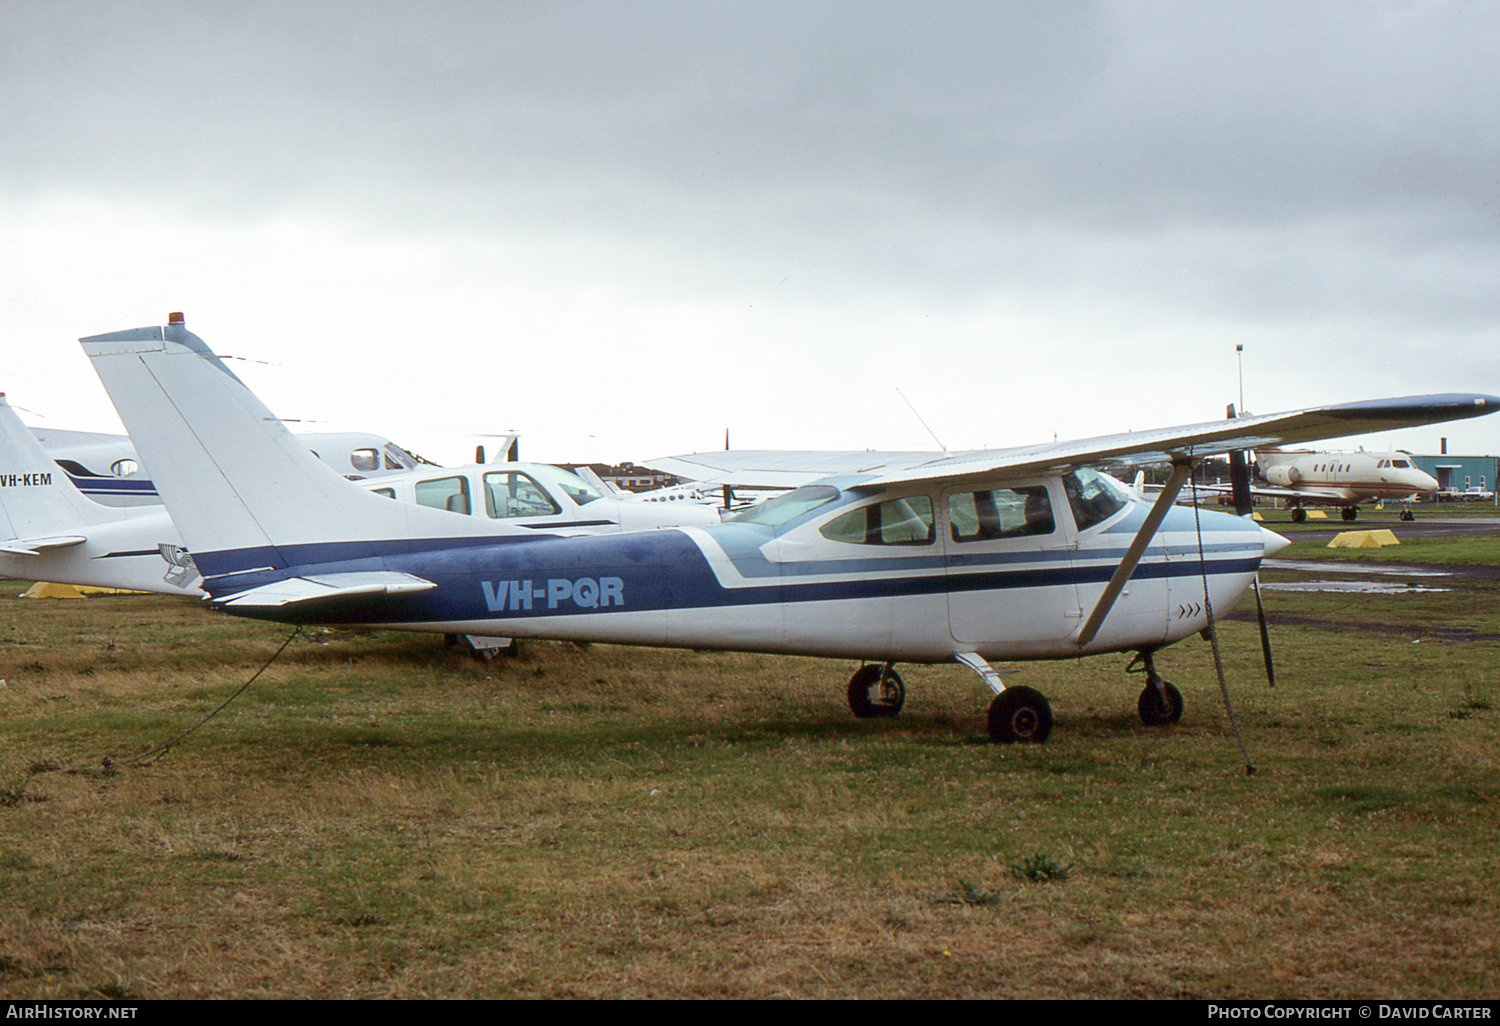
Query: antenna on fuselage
{"x": 913, "y": 409}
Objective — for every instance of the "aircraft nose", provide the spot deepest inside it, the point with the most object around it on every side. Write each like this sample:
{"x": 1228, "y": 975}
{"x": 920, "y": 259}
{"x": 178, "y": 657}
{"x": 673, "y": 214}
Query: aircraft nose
{"x": 1272, "y": 542}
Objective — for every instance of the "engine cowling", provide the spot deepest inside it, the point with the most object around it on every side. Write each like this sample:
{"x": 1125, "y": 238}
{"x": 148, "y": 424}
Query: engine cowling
{"x": 1283, "y": 475}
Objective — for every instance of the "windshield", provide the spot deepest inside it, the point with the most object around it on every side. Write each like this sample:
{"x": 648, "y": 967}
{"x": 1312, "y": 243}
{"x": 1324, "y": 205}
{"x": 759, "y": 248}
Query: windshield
{"x": 1094, "y": 497}
{"x": 569, "y": 483}
{"x": 783, "y": 508}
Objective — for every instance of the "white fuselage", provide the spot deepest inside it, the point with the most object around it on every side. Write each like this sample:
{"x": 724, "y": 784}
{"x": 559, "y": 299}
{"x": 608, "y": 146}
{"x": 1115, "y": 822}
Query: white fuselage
{"x": 932, "y": 586}
{"x": 1346, "y": 477}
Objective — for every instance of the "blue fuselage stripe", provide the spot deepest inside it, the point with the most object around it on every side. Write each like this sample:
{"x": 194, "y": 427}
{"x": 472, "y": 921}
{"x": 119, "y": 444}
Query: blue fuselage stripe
{"x": 479, "y": 579}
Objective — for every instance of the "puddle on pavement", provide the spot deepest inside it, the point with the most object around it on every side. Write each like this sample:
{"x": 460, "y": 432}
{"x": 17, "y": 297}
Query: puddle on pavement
{"x": 1321, "y": 566}
{"x": 1359, "y": 587}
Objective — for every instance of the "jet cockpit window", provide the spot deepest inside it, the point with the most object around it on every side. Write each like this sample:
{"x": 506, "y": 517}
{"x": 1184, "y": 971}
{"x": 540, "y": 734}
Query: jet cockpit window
{"x": 1400, "y": 463}
{"x": 786, "y": 508}
{"x": 508, "y": 493}
{"x": 574, "y": 487}
{"x": 1000, "y": 513}
{"x": 364, "y": 460}
{"x": 1094, "y": 497}
{"x": 449, "y": 493}
{"x": 905, "y": 521}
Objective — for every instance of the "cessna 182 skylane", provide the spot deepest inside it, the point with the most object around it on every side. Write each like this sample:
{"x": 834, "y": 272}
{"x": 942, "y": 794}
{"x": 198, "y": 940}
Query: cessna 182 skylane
{"x": 1013, "y": 554}
{"x": 49, "y": 531}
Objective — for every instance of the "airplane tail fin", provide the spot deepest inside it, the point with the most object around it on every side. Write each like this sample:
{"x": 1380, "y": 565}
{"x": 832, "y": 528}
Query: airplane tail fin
{"x": 37, "y": 500}
{"x": 245, "y": 494}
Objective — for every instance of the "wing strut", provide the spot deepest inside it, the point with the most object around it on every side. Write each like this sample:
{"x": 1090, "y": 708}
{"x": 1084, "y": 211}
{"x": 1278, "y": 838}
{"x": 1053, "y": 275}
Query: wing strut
{"x": 1181, "y": 468}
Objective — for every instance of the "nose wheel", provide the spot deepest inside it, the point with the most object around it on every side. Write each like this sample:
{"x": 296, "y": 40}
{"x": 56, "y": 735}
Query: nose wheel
{"x": 876, "y": 692}
{"x": 1160, "y": 703}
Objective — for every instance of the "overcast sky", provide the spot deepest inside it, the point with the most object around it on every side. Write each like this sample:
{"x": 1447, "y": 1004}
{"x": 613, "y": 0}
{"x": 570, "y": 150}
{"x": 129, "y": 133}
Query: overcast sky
{"x": 622, "y": 228}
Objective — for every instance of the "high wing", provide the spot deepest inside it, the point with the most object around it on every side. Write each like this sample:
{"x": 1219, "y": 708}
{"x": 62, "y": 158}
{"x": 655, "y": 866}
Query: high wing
{"x": 770, "y": 469}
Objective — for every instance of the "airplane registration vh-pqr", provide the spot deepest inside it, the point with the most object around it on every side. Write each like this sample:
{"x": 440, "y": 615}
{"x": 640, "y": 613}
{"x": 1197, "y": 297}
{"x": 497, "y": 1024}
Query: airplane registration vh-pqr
{"x": 1013, "y": 554}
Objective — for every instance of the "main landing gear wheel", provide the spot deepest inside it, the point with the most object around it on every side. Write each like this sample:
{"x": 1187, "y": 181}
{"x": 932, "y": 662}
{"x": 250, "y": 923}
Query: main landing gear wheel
{"x": 1158, "y": 710}
{"x": 1407, "y": 514}
{"x": 1350, "y": 513}
{"x": 876, "y": 692}
{"x": 1020, "y": 714}
{"x": 1299, "y": 515}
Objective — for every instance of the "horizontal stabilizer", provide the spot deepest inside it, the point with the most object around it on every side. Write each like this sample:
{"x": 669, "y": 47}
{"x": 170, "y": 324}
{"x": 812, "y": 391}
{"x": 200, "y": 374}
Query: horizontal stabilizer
{"x": 31, "y": 546}
{"x": 329, "y": 586}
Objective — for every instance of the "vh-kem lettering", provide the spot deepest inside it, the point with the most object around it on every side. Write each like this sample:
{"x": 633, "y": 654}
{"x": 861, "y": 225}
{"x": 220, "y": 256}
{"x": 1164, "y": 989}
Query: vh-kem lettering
{"x": 42, "y": 479}
{"x": 581, "y": 592}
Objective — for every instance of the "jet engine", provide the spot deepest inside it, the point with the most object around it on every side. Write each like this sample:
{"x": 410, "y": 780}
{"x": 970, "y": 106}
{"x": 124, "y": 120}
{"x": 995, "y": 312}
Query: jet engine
{"x": 1283, "y": 475}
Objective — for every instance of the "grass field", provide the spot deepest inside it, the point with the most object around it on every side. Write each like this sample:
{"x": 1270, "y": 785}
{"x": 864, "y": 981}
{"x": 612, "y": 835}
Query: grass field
{"x": 378, "y": 816}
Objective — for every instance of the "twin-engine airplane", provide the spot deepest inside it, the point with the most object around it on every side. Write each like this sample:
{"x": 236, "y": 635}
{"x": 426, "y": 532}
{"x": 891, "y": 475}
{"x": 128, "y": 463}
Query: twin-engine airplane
{"x": 107, "y": 469}
{"x": 1008, "y": 554}
{"x": 1343, "y": 479}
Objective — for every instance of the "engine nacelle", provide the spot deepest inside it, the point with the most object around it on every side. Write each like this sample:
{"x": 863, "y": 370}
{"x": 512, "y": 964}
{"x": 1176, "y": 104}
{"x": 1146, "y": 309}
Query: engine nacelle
{"x": 1283, "y": 475}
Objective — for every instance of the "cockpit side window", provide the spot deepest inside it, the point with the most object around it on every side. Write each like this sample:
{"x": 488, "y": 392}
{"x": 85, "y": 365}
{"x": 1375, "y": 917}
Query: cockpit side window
{"x": 905, "y": 521}
{"x": 364, "y": 460}
{"x": 449, "y": 493}
{"x": 1000, "y": 513}
{"x": 513, "y": 494}
{"x": 1092, "y": 496}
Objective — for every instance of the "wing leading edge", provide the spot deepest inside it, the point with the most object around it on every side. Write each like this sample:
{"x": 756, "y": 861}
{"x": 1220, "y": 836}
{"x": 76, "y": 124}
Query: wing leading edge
{"x": 789, "y": 469}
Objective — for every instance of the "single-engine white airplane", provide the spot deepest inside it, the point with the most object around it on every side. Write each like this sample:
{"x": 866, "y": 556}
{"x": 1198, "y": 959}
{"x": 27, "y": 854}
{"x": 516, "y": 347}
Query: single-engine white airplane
{"x": 1021, "y": 553}
{"x": 49, "y": 531}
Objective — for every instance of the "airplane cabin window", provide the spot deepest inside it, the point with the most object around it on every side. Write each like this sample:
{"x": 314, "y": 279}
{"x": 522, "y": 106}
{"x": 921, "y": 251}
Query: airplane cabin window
{"x": 124, "y": 468}
{"x": 389, "y": 493}
{"x": 785, "y": 508}
{"x": 511, "y": 494}
{"x": 905, "y": 521}
{"x": 1000, "y": 513}
{"x": 1093, "y": 497}
{"x": 364, "y": 460}
{"x": 449, "y": 493}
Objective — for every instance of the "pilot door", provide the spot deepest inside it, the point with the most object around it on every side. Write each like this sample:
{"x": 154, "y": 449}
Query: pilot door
{"x": 1008, "y": 555}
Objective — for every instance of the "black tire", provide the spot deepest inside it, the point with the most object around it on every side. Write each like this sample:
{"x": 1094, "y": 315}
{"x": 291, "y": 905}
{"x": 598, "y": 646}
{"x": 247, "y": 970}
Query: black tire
{"x": 1350, "y": 513}
{"x": 869, "y": 699}
{"x": 1299, "y": 515}
{"x": 1155, "y": 713}
{"x": 1020, "y": 715}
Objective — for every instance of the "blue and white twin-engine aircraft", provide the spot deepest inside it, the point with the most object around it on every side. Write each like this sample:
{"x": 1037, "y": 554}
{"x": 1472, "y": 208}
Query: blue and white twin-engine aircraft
{"x": 1008, "y": 554}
